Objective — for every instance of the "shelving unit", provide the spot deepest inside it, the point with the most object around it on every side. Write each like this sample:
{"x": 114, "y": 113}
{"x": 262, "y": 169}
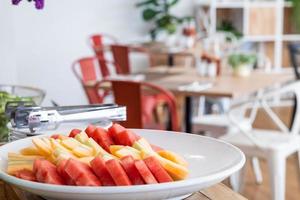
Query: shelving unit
{"x": 266, "y": 24}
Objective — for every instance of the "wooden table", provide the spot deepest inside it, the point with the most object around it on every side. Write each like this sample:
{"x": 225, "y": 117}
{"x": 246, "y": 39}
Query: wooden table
{"x": 225, "y": 85}
{"x": 218, "y": 191}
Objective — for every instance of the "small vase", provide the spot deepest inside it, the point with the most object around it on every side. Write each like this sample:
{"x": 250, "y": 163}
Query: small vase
{"x": 243, "y": 70}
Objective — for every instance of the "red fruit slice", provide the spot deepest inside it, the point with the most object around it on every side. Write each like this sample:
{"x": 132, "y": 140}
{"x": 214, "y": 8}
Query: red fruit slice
{"x": 114, "y": 130}
{"x": 88, "y": 179}
{"x": 99, "y": 168}
{"x": 74, "y": 132}
{"x": 46, "y": 172}
{"x": 55, "y": 136}
{"x": 126, "y": 138}
{"x": 61, "y": 171}
{"x": 117, "y": 172}
{"x": 81, "y": 173}
{"x": 90, "y": 130}
{"x": 132, "y": 172}
{"x": 157, "y": 170}
{"x": 101, "y": 136}
{"x": 26, "y": 175}
{"x": 145, "y": 172}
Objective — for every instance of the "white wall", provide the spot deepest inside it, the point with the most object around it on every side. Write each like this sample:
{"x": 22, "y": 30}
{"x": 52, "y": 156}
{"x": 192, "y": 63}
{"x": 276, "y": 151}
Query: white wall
{"x": 44, "y": 43}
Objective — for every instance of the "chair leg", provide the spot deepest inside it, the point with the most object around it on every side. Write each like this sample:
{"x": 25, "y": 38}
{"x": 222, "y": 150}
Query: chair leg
{"x": 257, "y": 170}
{"x": 277, "y": 170}
{"x": 298, "y": 163}
{"x": 237, "y": 179}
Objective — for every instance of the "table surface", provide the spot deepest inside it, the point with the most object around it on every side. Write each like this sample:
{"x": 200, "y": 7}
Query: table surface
{"x": 218, "y": 191}
{"x": 225, "y": 85}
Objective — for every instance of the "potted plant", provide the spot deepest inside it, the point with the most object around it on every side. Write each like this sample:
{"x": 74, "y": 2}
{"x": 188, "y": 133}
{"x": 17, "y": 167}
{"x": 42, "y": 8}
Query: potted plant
{"x": 241, "y": 63}
{"x": 158, "y": 12}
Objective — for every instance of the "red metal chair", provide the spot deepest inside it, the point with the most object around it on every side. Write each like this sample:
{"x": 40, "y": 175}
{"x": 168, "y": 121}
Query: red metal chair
{"x": 97, "y": 42}
{"x": 121, "y": 55}
{"x": 141, "y": 99}
{"x": 87, "y": 72}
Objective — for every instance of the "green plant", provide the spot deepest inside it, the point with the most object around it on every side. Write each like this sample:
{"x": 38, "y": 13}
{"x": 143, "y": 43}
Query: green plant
{"x": 296, "y": 13}
{"x": 235, "y": 60}
{"x": 227, "y": 26}
{"x": 158, "y": 11}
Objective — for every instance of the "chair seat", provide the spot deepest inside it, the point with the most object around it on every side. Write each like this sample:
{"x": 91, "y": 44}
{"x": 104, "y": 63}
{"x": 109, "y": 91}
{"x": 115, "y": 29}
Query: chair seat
{"x": 270, "y": 140}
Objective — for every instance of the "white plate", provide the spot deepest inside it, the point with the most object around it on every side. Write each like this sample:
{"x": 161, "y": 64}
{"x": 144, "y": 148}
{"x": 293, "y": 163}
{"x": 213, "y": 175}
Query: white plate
{"x": 210, "y": 162}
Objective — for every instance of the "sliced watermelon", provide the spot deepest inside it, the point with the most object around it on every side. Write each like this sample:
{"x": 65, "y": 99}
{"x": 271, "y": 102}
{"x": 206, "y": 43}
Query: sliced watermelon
{"x": 99, "y": 168}
{"x": 55, "y": 136}
{"x": 126, "y": 137}
{"x": 132, "y": 172}
{"x": 157, "y": 170}
{"x": 145, "y": 172}
{"x": 74, "y": 132}
{"x": 101, "y": 136}
{"x": 61, "y": 171}
{"x": 81, "y": 173}
{"x": 26, "y": 175}
{"x": 45, "y": 172}
{"x": 90, "y": 130}
{"x": 114, "y": 130}
{"x": 117, "y": 172}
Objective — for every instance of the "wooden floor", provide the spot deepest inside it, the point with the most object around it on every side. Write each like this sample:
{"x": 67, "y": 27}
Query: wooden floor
{"x": 262, "y": 192}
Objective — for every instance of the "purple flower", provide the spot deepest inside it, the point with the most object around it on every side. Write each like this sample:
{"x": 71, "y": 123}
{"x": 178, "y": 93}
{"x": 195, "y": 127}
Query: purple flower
{"x": 15, "y": 2}
{"x": 39, "y": 4}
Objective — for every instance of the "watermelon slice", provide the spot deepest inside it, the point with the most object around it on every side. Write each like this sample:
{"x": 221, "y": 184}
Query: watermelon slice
{"x": 117, "y": 172}
{"x": 61, "y": 171}
{"x": 157, "y": 170}
{"x": 81, "y": 173}
{"x": 99, "y": 168}
{"x": 102, "y": 138}
{"x": 126, "y": 137}
{"x": 132, "y": 172}
{"x": 45, "y": 172}
{"x": 145, "y": 172}
{"x": 114, "y": 130}
{"x": 90, "y": 130}
{"x": 74, "y": 132}
{"x": 26, "y": 175}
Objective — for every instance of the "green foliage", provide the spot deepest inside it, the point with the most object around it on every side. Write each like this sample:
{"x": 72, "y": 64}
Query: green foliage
{"x": 4, "y": 98}
{"x": 227, "y": 26}
{"x": 296, "y": 13}
{"x": 158, "y": 11}
{"x": 235, "y": 60}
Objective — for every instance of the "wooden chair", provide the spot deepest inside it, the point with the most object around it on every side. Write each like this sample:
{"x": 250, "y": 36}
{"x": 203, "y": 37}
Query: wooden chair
{"x": 141, "y": 99}
{"x": 89, "y": 70}
{"x": 274, "y": 146}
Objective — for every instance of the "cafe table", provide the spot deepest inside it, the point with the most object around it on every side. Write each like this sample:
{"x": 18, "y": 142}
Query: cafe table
{"x": 225, "y": 85}
{"x": 218, "y": 191}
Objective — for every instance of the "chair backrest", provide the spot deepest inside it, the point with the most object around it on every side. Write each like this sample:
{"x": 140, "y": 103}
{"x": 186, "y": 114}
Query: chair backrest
{"x": 294, "y": 49}
{"x": 264, "y": 101}
{"x": 121, "y": 56}
{"x": 131, "y": 93}
{"x": 97, "y": 43}
{"x": 87, "y": 72}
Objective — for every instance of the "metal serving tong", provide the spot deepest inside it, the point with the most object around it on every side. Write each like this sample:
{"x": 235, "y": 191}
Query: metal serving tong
{"x": 28, "y": 115}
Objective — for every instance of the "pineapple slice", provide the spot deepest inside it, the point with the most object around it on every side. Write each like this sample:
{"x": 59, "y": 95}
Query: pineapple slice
{"x": 125, "y": 151}
{"x": 169, "y": 155}
{"x": 114, "y": 148}
{"x": 43, "y": 147}
{"x": 82, "y": 137}
{"x": 30, "y": 151}
{"x": 70, "y": 143}
{"x": 83, "y": 151}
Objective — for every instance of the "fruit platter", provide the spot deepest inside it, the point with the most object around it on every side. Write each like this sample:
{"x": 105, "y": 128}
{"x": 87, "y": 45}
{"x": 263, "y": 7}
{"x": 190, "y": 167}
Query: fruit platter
{"x": 117, "y": 163}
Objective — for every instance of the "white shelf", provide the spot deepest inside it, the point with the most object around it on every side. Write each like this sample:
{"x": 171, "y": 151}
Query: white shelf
{"x": 291, "y": 37}
{"x": 259, "y": 38}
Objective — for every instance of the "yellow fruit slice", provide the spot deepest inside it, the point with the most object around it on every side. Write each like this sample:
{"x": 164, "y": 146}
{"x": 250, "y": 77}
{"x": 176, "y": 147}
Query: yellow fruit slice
{"x": 17, "y": 157}
{"x": 83, "y": 151}
{"x": 70, "y": 143}
{"x": 56, "y": 144}
{"x": 125, "y": 151}
{"x": 169, "y": 155}
{"x": 13, "y": 167}
{"x": 86, "y": 160}
{"x": 30, "y": 151}
{"x": 97, "y": 149}
{"x": 114, "y": 148}
{"x": 82, "y": 137}
{"x": 42, "y": 146}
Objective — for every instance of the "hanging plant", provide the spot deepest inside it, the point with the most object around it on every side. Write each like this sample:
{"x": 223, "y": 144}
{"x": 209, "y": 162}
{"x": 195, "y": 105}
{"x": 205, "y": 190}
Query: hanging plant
{"x": 158, "y": 11}
{"x": 39, "y": 4}
{"x": 296, "y": 13}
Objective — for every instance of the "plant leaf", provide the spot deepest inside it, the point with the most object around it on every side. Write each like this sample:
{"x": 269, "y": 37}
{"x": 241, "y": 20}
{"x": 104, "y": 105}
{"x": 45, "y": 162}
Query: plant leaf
{"x": 147, "y": 2}
{"x": 149, "y": 14}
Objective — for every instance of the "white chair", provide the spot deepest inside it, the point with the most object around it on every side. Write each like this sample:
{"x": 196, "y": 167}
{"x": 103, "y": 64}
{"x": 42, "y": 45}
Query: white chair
{"x": 274, "y": 146}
